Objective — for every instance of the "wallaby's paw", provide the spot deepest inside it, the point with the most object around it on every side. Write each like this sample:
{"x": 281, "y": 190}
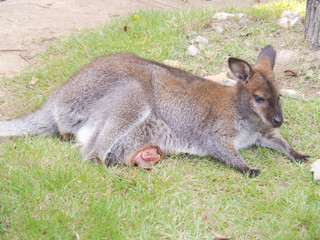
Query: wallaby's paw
{"x": 253, "y": 173}
{"x": 147, "y": 156}
{"x": 299, "y": 157}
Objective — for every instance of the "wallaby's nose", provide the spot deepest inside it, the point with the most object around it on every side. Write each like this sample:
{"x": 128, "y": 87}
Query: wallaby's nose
{"x": 278, "y": 120}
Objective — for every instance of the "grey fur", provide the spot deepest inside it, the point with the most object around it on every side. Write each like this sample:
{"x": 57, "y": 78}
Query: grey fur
{"x": 120, "y": 103}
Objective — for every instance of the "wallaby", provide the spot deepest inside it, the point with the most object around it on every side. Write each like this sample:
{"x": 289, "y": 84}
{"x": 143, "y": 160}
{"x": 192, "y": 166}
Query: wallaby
{"x": 126, "y": 109}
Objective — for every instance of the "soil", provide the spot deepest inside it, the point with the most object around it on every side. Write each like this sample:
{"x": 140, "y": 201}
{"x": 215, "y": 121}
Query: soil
{"x": 28, "y": 26}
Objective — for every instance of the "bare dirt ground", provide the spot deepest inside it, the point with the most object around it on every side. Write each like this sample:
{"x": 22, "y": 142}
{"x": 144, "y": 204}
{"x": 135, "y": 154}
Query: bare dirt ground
{"x": 28, "y": 26}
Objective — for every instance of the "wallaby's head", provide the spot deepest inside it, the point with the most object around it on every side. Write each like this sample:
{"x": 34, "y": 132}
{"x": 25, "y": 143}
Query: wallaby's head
{"x": 257, "y": 88}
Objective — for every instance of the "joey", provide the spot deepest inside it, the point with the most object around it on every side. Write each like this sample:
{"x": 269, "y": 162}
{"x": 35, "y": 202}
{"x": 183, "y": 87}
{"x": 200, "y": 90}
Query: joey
{"x": 125, "y": 109}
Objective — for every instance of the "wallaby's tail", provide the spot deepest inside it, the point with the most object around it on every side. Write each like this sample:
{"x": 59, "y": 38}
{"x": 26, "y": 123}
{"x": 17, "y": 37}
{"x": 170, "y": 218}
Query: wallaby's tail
{"x": 40, "y": 122}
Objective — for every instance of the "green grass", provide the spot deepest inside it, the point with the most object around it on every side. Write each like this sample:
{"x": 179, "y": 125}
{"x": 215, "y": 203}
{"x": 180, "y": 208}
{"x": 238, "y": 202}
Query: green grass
{"x": 47, "y": 192}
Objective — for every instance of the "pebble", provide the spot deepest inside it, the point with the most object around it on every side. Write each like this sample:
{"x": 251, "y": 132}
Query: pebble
{"x": 218, "y": 29}
{"x": 229, "y": 82}
{"x": 192, "y": 51}
{"x": 315, "y": 169}
{"x": 291, "y": 93}
{"x": 289, "y": 19}
{"x": 200, "y": 40}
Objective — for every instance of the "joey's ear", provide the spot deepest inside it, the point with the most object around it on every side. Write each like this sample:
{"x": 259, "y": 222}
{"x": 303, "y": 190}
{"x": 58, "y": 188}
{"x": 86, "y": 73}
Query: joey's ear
{"x": 267, "y": 57}
{"x": 240, "y": 69}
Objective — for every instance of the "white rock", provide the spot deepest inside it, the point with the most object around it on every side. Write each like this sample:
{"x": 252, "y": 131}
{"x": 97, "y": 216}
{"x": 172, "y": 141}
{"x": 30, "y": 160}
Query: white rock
{"x": 222, "y": 79}
{"x": 200, "y": 40}
{"x": 192, "y": 51}
{"x": 289, "y": 93}
{"x": 226, "y": 16}
{"x": 289, "y": 19}
{"x": 172, "y": 63}
{"x": 315, "y": 169}
{"x": 218, "y": 29}
{"x": 222, "y": 16}
{"x": 229, "y": 82}
{"x": 318, "y": 94}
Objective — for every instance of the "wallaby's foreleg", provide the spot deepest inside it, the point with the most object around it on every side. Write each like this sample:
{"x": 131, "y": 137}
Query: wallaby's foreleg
{"x": 228, "y": 154}
{"x": 146, "y": 156}
{"x": 275, "y": 141}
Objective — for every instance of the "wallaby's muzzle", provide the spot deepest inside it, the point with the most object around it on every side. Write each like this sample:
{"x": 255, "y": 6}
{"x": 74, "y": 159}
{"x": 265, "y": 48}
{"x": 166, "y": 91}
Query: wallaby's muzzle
{"x": 277, "y": 121}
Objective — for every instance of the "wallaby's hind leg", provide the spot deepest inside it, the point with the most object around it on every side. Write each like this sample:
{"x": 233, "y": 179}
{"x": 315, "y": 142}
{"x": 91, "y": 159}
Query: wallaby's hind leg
{"x": 143, "y": 145}
{"x": 146, "y": 156}
{"x": 108, "y": 136}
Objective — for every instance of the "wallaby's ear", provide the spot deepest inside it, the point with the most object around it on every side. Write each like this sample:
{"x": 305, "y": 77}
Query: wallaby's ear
{"x": 267, "y": 57}
{"x": 240, "y": 69}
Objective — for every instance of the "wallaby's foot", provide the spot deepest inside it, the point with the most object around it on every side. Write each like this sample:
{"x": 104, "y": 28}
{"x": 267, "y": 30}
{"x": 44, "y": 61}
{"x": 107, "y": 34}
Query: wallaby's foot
{"x": 299, "y": 157}
{"x": 253, "y": 173}
{"x": 146, "y": 156}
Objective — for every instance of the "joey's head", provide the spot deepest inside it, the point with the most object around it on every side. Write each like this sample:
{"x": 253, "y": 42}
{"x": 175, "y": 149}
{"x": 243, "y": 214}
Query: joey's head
{"x": 256, "y": 87}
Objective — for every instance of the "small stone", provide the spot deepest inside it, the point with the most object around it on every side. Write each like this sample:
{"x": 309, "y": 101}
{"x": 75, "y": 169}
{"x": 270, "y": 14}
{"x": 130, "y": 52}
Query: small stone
{"x": 318, "y": 94}
{"x": 200, "y": 40}
{"x": 229, "y": 82}
{"x": 172, "y": 63}
{"x": 289, "y": 19}
{"x": 315, "y": 169}
{"x": 289, "y": 93}
{"x": 222, "y": 16}
{"x": 226, "y": 16}
{"x": 192, "y": 51}
{"x": 218, "y": 29}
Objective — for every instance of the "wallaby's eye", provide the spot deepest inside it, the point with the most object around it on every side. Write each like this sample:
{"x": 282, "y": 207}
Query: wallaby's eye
{"x": 258, "y": 99}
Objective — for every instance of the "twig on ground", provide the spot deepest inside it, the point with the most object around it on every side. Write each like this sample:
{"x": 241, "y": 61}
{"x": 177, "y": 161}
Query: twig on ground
{"x": 167, "y": 4}
{"x": 151, "y": 4}
{"x": 24, "y": 59}
{"x": 13, "y": 50}
{"x": 160, "y": 2}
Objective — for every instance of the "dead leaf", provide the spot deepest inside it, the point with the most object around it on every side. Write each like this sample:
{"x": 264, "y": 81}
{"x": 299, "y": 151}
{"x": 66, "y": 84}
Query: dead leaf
{"x": 290, "y": 73}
